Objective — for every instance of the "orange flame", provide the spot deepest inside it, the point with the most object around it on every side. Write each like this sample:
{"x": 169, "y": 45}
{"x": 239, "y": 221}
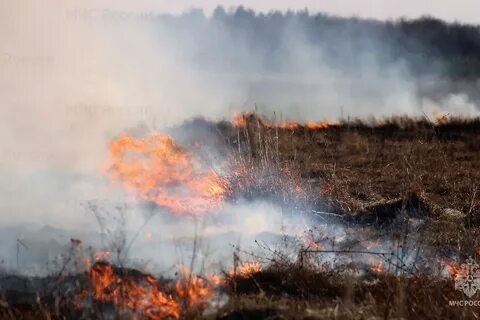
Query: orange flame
{"x": 139, "y": 295}
{"x": 441, "y": 119}
{"x": 158, "y": 170}
{"x": 246, "y": 269}
{"x": 240, "y": 119}
{"x": 314, "y": 244}
{"x": 193, "y": 290}
{"x": 452, "y": 267}
{"x": 378, "y": 268}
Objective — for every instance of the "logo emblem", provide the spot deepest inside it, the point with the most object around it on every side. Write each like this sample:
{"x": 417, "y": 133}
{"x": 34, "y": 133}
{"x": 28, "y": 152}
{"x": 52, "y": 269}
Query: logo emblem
{"x": 467, "y": 278}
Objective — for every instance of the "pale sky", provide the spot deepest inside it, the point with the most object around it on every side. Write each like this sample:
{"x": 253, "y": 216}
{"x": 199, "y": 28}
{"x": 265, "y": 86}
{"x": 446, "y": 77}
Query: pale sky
{"x": 451, "y": 10}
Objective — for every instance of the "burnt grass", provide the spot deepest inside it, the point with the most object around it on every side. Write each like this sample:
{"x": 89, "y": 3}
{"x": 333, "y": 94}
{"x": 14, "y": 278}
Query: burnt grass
{"x": 367, "y": 172}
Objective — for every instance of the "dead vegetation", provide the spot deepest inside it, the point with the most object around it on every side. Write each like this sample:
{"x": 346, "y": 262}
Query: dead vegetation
{"x": 366, "y": 168}
{"x": 360, "y": 162}
{"x": 286, "y": 291}
{"x": 364, "y": 173}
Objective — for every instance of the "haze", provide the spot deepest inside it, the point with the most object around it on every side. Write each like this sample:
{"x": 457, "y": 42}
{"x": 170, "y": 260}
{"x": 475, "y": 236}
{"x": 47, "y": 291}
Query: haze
{"x": 450, "y": 10}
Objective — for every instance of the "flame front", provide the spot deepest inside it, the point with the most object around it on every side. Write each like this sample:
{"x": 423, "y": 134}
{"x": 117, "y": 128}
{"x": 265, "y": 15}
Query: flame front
{"x": 158, "y": 170}
{"x": 241, "y": 119}
{"x": 142, "y": 296}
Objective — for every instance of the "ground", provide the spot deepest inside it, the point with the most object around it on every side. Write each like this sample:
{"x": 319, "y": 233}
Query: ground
{"x": 363, "y": 173}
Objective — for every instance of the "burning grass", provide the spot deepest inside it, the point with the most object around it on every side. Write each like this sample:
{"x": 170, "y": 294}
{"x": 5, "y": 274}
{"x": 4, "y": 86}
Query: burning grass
{"x": 403, "y": 191}
{"x": 281, "y": 290}
{"x": 159, "y": 170}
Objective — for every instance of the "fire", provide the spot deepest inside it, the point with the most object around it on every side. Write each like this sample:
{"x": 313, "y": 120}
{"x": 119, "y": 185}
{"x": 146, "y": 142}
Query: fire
{"x": 247, "y": 269}
{"x": 139, "y": 295}
{"x": 194, "y": 290}
{"x": 377, "y": 268}
{"x": 453, "y": 269}
{"x": 99, "y": 256}
{"x": 156, "y": 169}
{"x": 241, "y": 119}
{"x": 320, "y": 125}
{"x": 441, "y": 119}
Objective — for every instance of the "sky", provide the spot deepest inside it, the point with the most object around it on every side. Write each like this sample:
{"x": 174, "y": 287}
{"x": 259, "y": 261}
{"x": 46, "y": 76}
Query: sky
{"x": 451, "y": 10}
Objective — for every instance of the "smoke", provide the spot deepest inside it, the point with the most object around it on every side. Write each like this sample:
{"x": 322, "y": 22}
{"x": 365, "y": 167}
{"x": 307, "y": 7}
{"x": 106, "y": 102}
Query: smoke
{"x": 75, "y": 77}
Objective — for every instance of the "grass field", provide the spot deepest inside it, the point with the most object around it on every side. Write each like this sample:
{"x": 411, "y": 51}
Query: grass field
{"x": 366, "y": 173}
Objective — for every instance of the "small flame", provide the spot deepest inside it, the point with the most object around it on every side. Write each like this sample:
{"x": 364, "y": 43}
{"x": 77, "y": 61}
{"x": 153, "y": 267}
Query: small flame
{"x": 240, "y": 120}
{"x": 194, "y": 290}
{"x": 441, "y": 119}
{"x": 139, "y": 295}
{"x": 320, "y": 125}
{"x": 246, "y": 269}
{"x": 378, "y": 268}
{"x": 158, "y": 170}
{"x": 452, "y": 267}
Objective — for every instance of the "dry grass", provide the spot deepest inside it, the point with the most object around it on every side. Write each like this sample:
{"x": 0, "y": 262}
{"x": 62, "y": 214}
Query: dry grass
{"x": 291, "y": 292}
{"x": 355, "y": 169}
{"x": 352, "y": 166}
{"x": 371, "y": 161}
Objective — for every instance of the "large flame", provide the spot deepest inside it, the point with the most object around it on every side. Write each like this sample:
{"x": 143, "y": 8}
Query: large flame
{"x": 142, "y": 295}
{"x": 158, "y": 170}
{"x": 139, "y": 296}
